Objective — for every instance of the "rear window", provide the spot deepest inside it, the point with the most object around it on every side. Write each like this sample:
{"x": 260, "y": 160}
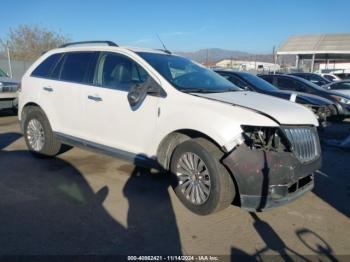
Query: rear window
{"x": 76, "y": 66}
{"x": 44, "y": 69}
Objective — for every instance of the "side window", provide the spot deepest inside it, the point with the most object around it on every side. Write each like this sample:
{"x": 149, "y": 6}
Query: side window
{"x": 290, "y": 84}
{"x": 118, "y": 72}
{"x": 76, "y": 66}
{"x": 317, "y": 80}
{"x": 286, "y": 84}
{"x": 268, "y": 79}
{"x": 44, "y": 69}
{"x": 341, "y": 86}
{"x": 238, "y": 82}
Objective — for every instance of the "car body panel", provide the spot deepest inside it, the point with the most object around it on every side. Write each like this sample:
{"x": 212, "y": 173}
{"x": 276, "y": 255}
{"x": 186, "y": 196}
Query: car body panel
{"x": 343, "y": 109}
{"x": 283, "y": 111}
{"x": 221, "y": 117}
{"x": 333, "y": 87}
{"x": 111, "y": 124}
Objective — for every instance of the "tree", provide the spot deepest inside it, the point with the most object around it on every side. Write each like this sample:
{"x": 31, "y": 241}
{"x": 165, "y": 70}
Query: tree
{"x": 29, "y": 42}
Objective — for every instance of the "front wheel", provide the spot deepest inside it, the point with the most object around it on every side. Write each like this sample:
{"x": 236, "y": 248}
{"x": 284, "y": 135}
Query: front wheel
{"x": 202, "y": 183}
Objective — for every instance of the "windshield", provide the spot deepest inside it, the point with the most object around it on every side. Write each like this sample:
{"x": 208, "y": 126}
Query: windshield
{"x": 187, "y": 76}
{"x": 258, "y": 82}
{"x": 2, "y": 73}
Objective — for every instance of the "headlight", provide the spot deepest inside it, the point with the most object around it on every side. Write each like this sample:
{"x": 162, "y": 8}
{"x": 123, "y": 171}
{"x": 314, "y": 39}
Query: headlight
{"x": 266, "y": 138}
{"x": 341, "y": 99}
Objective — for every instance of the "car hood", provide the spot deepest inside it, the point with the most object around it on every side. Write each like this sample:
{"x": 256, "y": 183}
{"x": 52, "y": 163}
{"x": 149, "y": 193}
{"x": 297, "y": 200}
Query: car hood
{"x": 304, "y": 98}
{"x": 283, "y": 112}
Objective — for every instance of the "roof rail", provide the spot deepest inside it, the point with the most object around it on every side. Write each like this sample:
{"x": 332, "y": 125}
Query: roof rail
{"x": 109, "y": 43}
{"x": 165, "y": 51}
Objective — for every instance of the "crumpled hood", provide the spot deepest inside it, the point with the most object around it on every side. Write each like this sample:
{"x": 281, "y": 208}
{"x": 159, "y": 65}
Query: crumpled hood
{"x": 282, "y": 111}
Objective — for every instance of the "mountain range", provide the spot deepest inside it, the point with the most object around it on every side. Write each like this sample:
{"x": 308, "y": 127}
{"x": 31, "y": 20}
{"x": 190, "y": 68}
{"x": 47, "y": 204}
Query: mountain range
{"x": 212, "y": 55}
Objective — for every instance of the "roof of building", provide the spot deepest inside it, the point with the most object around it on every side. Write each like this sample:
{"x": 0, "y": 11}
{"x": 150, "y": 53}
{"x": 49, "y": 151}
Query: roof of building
{"x": 316, "y": 44}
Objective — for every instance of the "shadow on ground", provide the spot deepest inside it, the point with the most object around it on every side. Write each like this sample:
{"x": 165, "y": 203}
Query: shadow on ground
{"x": 275, "y": 246}
{"x": 332, "y": 184}
{"x": 47, "y": 207}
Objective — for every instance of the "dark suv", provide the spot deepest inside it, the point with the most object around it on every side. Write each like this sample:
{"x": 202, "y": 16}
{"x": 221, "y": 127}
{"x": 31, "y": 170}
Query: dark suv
{"x": 294, "y": 83}
{"x": 322, "y": 107}
{"x": 314, "y": 78}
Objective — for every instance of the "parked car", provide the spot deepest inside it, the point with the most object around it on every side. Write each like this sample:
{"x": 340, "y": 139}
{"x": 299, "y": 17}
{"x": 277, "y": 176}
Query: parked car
{"x": 8, "y": 92}
{"x": 219, "y": 143}
{"x": 294, "y": 83}
{"x": 343, "y": 76}
{"x": 342, "y": 87}
{"x": 331, "y": 77}
{"x": 314, "y": 78}
{"x": 323, "y": 108}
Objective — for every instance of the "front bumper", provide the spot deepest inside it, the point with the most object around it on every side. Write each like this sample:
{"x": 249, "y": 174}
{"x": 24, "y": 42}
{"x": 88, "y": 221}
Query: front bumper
{"x": 267, "y": 179}
{"x": 8, "y": 103}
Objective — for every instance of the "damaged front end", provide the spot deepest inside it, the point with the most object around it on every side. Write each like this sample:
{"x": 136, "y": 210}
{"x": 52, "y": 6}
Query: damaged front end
{"x": 322, "y": 113}
{"x": 274, "y": 165}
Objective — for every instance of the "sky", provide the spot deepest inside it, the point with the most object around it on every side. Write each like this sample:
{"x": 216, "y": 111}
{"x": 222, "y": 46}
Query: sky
{"x": 249, "y": 25}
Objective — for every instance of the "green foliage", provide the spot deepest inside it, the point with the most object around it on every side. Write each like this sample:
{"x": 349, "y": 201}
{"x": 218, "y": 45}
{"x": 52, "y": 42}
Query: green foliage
{"x": 29, "y": 42}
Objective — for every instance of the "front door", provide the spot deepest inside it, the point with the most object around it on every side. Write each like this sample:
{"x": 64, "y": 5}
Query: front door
{"x": 109, "y": 118}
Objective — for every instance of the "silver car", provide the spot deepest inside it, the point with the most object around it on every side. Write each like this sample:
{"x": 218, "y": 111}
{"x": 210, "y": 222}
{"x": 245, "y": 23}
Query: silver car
{"x": 342, "y": 87}
{"x": 8, "y": 92}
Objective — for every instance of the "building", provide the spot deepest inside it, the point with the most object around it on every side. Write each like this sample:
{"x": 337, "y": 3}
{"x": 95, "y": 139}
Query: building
{"x": 335, "y": 66}
{"x": 247, "y": 65}
{"x": 320, "y": 51}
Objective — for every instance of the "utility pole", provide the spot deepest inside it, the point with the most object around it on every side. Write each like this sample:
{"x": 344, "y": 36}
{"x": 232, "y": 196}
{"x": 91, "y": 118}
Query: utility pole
{"x": 255, "y": 62}
{"x": 206, "y": 59}
{"x": 9, "y": 60}
{"x": 274, "y": 59}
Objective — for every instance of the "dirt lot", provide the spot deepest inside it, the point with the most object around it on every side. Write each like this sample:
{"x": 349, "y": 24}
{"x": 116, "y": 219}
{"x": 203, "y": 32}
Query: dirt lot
{"x": 85, "y": 203}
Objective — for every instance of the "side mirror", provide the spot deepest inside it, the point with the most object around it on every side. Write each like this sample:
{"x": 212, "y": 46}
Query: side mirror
{"x": 138, "y": 92}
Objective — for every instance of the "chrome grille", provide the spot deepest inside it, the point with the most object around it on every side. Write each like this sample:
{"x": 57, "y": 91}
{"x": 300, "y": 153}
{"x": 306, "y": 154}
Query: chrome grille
{"x": 305, "y": 142}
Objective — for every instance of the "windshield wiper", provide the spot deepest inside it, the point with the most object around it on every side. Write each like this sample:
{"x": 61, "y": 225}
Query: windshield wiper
{"x": 201, "y": 90}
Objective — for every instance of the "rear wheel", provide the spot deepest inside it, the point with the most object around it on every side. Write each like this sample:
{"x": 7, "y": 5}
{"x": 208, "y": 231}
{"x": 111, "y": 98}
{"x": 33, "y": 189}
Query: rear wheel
{"x": 202, "y": 183}
{"x": 38, "y": 133}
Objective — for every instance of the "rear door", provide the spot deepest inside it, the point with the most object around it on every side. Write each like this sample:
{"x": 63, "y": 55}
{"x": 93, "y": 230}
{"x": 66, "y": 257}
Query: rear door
{"x": 41, "y": 80}
{"x": 73, "y": 74}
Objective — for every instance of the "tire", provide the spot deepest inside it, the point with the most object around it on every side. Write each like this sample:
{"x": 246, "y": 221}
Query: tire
{"x": 213, "y": 176}
{"x": 49, "y": 145}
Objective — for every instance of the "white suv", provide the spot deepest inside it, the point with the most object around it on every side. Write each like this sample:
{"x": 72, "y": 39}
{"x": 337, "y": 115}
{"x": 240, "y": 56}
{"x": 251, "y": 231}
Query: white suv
{"x": 219, "y": 143}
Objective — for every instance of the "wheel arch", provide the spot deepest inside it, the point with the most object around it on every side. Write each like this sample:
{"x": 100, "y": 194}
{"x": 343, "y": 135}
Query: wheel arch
{"x": 24, "y": 112}
{"x": 170, "y": 141}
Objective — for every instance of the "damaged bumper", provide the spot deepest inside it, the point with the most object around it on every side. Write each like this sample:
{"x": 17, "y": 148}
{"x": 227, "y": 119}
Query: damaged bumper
{"x": 268, "y": 179}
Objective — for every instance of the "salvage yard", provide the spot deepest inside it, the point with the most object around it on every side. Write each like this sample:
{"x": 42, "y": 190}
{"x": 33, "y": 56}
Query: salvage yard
{"x": 86, "y": 203}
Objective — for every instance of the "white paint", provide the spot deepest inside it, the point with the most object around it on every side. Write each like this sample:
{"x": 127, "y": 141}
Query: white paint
{"x": 113, "y": 123}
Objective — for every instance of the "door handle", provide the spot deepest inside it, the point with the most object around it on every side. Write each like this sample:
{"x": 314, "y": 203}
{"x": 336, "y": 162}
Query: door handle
{"x": 48, "y": 89}
{"x": 95, "y": 98}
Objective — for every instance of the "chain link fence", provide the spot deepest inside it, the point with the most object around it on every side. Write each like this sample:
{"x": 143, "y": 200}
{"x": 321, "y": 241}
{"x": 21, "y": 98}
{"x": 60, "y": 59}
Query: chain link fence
{"x": 17, "y": 69}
